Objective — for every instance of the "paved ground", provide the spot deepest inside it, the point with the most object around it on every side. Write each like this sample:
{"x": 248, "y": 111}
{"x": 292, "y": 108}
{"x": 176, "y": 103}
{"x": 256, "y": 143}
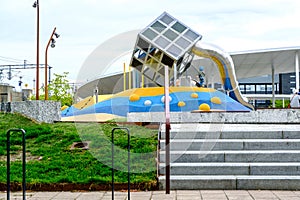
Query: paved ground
{"x": 160, "y": 195}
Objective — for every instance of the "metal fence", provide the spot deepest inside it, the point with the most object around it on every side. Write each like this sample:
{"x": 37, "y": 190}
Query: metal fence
{"x": 5, "y": 107}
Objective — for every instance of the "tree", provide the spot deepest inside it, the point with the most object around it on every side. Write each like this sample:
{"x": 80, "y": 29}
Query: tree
{"x": 59, "y": 89}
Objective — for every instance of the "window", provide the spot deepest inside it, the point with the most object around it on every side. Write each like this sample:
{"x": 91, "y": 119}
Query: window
{"x": 178, "y": 27}
{"x": 242, "y": 88}
{"x": 171, "y": 35}
{"x": 166, "y": 19}
{"x": 143, "y": 44}
{"x": 162, "y": 42}
{"x": 269, "y": 88}
{"x": 159, "y": 27}
{"x": 183, "y": 43}
{"x": 260, "y": 88}
{"x": 250, "y": 88}
{"x": 149, "y": 34}
{"x": 174, "y": 50}
{"x": 191, "y": 35}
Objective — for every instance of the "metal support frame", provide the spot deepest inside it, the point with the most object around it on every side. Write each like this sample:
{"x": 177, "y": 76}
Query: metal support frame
{"x": 124, "y": 76}
{"x": 175, "y": 74}
{"x": 168, "y": 127}
{"x": 112, "y": 160}
{"x": 23, "y": 162}
{"x": 273, "y": 86}
{"x": 46, "y": 63}
{"x": 37, "y": 50}
{"x": 297, "y": 71}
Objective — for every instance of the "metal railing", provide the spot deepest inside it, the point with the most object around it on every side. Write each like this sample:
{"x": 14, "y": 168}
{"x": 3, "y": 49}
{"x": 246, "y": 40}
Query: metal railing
{"x": 5, "y": 107}
{"x": 23, "y": 161}
{"x": 112, "y": 160}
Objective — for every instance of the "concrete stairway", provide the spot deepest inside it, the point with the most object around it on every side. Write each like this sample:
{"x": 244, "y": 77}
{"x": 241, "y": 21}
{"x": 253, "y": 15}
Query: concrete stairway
{"x": 232, "y": 156}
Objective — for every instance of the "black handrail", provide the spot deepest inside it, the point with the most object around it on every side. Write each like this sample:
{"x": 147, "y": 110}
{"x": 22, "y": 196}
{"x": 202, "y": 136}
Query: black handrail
{"x": 23, "y": 161}
{"x": 112, "y": 160}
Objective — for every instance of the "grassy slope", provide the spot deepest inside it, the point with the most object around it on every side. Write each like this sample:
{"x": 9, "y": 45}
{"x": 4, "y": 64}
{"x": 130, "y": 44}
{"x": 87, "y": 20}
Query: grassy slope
{"x": 53, "y": 161}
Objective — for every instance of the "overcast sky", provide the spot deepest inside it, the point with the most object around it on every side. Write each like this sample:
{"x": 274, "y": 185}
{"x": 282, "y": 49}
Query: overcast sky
{"x": 86, "y": 24}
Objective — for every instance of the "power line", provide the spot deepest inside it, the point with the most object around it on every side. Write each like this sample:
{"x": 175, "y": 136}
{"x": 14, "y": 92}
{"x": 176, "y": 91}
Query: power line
{"x": 21, "y": 66}
{"x": 9, "y": 61}
{"x": 25, "y": 65}
{"x": 9, "y": 58}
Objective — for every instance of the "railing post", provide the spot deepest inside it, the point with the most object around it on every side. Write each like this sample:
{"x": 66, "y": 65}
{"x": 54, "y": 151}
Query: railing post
{"x": 168, "y": 127}
{"x": 128, "y": 161}
{"x": 8, "y": 107}
{"x": 23, "y": 161}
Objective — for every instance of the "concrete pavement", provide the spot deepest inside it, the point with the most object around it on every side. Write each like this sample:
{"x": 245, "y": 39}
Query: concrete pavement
{"x": 160, "y": 195}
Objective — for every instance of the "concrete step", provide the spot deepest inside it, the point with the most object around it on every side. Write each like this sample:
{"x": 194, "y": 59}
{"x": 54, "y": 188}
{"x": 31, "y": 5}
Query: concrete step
{"x": 231, "y": 127}
{"x": 232, "y": 182}
{"x": 232, "y": 131}
{"x": 232, "y": 156}
{"x": 229, "y": 135}
{"x": 232, "y": 169}
{"x": 232, "y": 144}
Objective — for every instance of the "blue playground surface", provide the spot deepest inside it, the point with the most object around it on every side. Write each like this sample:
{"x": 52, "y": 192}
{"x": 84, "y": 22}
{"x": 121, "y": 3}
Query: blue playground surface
{"x": 183, "y": 99}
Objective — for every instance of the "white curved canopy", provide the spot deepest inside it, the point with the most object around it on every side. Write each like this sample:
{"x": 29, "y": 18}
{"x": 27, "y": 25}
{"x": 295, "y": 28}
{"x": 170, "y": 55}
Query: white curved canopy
{"x": 259, "y": 62}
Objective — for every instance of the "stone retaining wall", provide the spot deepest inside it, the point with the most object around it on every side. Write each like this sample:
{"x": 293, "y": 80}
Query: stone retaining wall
{"x": 41, "y": 111}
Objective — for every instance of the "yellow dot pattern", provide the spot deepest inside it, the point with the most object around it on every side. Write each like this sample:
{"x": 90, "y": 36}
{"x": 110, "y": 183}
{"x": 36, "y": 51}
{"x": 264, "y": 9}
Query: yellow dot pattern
{"x": 181, "y": 104}
{"x": 216, "y": 100}
{"x": 194, "y": 95}
{"x": 134, "y": 97}
{"x": 204, "y": 107}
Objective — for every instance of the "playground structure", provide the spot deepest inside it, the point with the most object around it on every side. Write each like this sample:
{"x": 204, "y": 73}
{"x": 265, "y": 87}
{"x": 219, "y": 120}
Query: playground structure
{"x": 168, "y": 42}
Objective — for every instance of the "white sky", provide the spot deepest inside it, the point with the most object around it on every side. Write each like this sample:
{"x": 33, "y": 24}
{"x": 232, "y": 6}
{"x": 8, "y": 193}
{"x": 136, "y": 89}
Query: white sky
{"x": 85, "y": 24}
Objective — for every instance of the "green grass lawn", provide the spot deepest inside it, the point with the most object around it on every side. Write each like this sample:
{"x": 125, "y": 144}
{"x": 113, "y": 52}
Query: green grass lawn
{"x": 51, "y": 161}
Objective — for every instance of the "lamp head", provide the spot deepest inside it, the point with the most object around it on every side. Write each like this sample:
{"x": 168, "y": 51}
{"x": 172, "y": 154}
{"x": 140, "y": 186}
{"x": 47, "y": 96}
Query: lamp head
{"x": 52, "y": 43}
{"x": 56, "y": 35}
{"x": 34, "y": 4}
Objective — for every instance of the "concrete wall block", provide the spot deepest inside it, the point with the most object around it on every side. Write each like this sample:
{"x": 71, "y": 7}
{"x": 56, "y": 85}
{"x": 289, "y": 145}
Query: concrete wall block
{"x": 276, "y": 116}
{"x": 198, "y": 182}
{"x": 41, "y": 111}
{"x": 268, "y": 183}
{"x": 293, "y": 115}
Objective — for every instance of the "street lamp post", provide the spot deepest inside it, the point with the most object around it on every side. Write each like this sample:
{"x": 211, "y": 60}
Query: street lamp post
{"x": 36, "y": 5}
{"x": 52, "y": 42}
